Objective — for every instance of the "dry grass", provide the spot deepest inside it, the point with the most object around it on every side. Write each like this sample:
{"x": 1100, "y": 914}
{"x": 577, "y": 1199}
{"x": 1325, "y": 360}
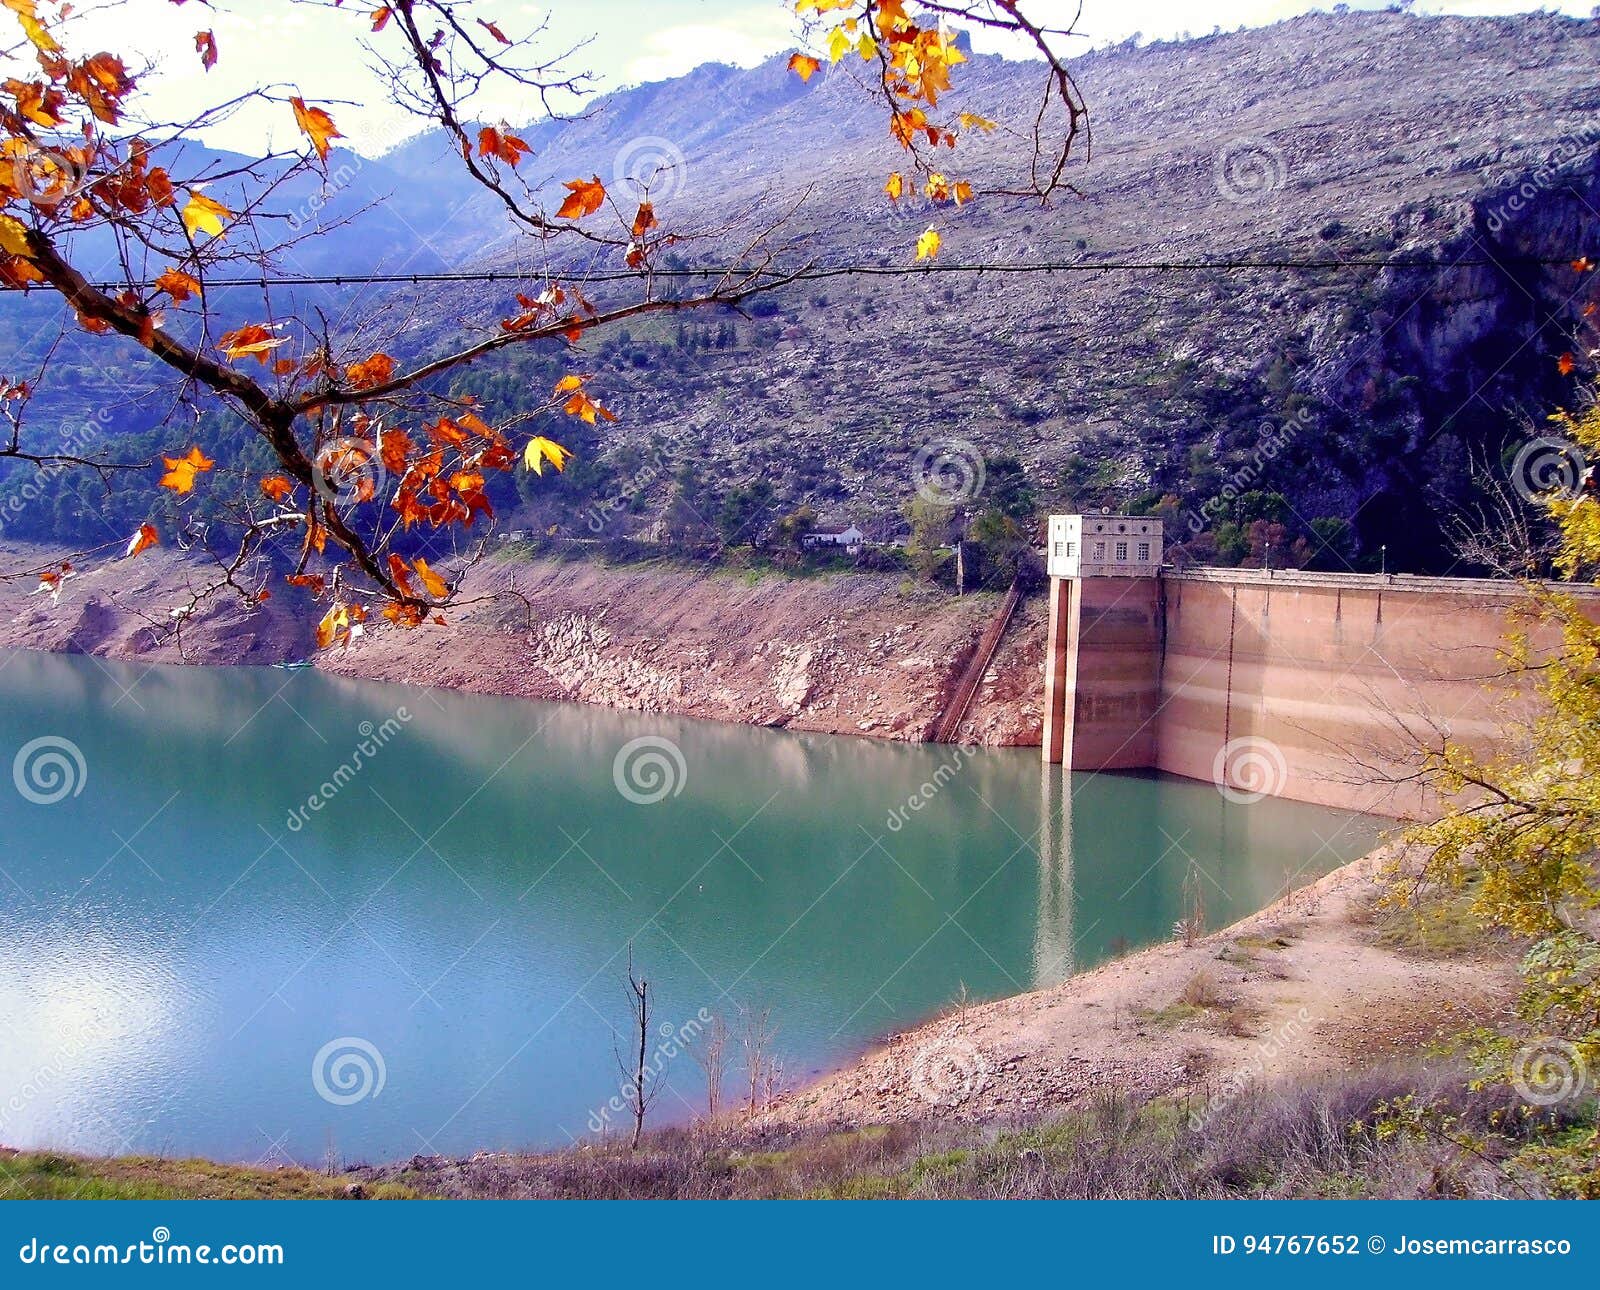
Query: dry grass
{"x": 1202, "y": 991}
{"x": 52, "y": 1176}
{"x": 1315, "y": 1138}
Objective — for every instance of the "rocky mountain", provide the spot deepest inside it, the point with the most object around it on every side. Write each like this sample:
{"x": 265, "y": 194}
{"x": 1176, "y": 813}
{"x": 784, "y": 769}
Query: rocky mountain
{"x": 1302, "y": 397}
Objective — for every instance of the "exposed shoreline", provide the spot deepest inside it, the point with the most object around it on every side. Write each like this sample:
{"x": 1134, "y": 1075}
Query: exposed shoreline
{"x": 862, "y": 654}
{"x": 1317, "y": 981}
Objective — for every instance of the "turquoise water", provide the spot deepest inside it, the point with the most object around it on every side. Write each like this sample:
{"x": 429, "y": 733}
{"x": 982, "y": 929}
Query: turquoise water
{"x": 227, "y": 928}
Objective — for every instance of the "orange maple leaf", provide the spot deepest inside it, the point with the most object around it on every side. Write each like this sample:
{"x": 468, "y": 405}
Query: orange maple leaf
{"x": 276, "y": 487}
{"x": 182, "y": 470}
{"x": 803, "y": 66}
{"x": 205, "y": 44}
{"x": 585, "y": 197}
{"x": 178, "y": 284}
{"x": 317, "y": 125}
{"x": 410, "y": 509}
{"x": 395, "y": 447}
{"x": 252, "y": 340}
{"x": 143, "y": 540}
{"x": 159, "y": 185}
{"x": 437, "y": 587}
{"x": 497, "y": 143}
{"x": 371, "y": 371}
{"x": 400, "y": 576}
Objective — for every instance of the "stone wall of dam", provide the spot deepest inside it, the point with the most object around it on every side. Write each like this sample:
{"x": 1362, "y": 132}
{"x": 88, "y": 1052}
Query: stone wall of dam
{"x": 1317, "y": 687}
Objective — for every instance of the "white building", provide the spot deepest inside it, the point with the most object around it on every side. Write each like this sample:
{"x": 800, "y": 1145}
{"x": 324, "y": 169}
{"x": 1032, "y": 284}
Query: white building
{"x": 833, "y": 535}
{"x": 1104, "y": 546}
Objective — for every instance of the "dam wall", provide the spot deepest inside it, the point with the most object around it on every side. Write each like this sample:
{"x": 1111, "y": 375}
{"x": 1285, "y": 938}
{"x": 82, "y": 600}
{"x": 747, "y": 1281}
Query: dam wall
{"x": 1317, "y": 687}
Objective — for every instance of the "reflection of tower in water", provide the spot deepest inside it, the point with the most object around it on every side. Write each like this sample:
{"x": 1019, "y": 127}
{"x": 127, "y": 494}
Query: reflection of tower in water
{"x": 1053, "y": 955}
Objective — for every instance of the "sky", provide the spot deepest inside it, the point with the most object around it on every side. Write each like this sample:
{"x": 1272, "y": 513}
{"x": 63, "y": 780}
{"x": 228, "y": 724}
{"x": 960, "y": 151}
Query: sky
{"x": 318, "y": 51}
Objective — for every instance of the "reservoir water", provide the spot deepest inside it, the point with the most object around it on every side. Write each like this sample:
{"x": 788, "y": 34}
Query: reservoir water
{"x": 264, "y": 915}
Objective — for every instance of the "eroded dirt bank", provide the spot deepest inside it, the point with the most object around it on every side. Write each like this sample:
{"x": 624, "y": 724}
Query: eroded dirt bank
{"x": 860, "y": 654}
{"x": 1320, "y": 981}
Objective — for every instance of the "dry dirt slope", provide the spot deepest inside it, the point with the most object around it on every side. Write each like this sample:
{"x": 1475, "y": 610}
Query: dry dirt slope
{"x": 846, "y": 654}
{"x": 1314, "y": 983}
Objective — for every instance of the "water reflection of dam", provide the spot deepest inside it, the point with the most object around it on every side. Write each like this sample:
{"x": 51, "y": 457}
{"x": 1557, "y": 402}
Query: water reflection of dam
{"x": 1109, "y": 852}
{"x": 1054, "y": 957}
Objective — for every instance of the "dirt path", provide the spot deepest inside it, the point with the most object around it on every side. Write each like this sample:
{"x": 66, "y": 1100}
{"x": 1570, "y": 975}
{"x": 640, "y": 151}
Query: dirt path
{"x": 1303, "y": 986}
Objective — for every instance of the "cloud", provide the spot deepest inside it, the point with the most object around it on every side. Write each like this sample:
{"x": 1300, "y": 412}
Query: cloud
{"x": 743, "y": 40}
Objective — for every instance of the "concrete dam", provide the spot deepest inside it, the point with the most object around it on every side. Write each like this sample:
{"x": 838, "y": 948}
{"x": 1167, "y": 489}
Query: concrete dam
{"x": 1322, "y": 687}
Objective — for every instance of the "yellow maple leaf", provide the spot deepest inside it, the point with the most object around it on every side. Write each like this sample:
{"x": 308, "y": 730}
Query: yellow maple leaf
{"x": 13, "y": 236}
{"x": 28, "y": 16}
{"x": 201, "y": 214}
{"x": 928, "y": 244}
{"x": 540, "y": 449}
{"x": 335, "y": 626}
{"x": 437, "y": 587}
{"x": 895, "y": 186}
{"x": 803, "y": 66}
